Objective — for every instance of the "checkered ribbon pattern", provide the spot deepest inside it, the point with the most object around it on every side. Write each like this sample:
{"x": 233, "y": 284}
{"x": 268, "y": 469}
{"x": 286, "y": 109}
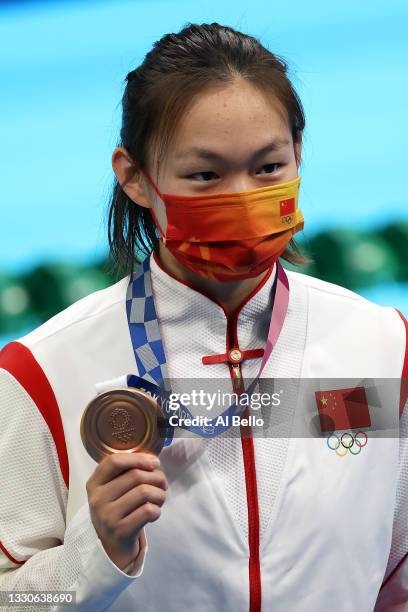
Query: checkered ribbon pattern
{"x": 144, "y": 328}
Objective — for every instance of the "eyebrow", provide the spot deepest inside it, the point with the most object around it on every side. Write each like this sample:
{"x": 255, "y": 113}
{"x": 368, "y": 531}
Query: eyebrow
{"x": 202, "y": 153}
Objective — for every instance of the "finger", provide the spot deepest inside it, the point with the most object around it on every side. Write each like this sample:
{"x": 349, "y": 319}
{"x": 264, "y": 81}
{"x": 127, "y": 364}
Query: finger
{"x": 135, "y": 498}
{"x": 117, "y": 463}
{"x": 136, "y": 520}
{"x": 131, "y": 479}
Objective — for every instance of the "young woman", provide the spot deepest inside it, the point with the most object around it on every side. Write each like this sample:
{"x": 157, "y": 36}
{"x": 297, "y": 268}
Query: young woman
{"x": 207, "y": 191}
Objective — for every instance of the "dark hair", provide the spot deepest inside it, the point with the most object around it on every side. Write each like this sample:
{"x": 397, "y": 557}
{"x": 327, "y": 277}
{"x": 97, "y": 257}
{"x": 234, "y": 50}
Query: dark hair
{"x": 157, "y": 93}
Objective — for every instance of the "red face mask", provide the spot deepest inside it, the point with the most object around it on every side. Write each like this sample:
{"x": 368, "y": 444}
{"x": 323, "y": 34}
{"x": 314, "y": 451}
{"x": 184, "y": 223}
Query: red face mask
{"x": 230, "y": 236}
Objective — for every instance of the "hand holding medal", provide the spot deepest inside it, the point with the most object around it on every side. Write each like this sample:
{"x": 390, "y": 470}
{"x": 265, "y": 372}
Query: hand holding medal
{"x": 121, "y": 430}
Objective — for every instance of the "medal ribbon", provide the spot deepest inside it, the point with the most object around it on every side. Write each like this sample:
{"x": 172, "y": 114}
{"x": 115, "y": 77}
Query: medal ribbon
{"x": 149, "y": 351}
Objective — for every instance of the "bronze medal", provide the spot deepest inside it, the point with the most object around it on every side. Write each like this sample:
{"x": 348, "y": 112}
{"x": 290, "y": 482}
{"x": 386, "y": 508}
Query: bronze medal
{"x": 127, "y": 419}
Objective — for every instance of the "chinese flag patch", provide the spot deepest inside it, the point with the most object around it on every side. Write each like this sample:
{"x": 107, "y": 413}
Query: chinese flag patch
{"x": 287, "y": 206}
{"x": 343, "y": 409}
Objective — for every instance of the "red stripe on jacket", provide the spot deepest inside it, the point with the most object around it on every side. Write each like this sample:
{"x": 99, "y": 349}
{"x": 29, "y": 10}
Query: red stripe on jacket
{"x": 404, "y": 375}
{"x": 6, "y": 552}
{"x": 18, "y": 360}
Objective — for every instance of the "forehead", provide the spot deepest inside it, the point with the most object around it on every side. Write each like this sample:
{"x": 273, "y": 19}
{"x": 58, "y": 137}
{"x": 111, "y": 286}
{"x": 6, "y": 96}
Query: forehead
{"x": 235, "y": 117}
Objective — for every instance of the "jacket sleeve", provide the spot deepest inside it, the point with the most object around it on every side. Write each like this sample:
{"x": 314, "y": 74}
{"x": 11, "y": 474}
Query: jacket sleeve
{"x": 394, "y": 589}
{"x": 38, "y": 551}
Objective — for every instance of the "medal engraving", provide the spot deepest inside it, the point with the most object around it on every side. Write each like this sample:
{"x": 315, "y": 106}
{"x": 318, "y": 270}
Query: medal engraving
{"x": 120, "y": 420}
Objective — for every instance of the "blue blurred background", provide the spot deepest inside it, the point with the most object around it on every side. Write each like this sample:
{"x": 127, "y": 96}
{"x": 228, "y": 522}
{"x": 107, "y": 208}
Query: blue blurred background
{"x": 62, "y": 70}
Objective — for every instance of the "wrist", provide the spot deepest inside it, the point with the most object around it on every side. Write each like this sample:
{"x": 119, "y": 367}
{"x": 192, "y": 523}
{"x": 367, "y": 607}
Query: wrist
{"x": 124, "y": 562}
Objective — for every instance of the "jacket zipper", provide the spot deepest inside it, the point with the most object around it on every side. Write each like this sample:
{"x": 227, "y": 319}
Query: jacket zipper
{"x": 255, "y": 587}
{"x": 236, "y": 370}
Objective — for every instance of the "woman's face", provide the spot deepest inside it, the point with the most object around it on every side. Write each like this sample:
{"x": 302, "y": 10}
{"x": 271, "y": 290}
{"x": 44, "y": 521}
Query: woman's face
{"x": 232, "y": 138}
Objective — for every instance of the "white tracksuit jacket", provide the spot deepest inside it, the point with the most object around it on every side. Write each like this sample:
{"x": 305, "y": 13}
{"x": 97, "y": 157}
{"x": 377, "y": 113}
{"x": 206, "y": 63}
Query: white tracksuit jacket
{"x": 279, "y": 523}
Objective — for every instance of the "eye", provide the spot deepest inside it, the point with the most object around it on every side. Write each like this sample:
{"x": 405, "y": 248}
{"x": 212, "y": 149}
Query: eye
{"x": 276, "y": 166}
{"x": 202, "y": 174}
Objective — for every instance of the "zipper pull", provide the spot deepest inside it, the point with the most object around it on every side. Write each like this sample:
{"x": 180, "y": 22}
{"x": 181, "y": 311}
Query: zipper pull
{"x": 236, "y": 370}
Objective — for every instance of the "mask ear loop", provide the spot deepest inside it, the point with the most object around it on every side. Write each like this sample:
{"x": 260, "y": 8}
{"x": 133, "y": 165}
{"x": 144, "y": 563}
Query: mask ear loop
{"x": 149, "y": 180}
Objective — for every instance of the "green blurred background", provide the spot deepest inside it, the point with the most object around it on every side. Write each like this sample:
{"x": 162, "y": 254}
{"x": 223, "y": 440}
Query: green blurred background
{"x": 363, "y": 262}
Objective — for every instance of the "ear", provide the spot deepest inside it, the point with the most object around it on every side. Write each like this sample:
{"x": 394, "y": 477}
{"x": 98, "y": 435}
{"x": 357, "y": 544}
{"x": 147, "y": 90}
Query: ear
{"x": 298, "y": 150}
{"x": 129, "y": 177}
